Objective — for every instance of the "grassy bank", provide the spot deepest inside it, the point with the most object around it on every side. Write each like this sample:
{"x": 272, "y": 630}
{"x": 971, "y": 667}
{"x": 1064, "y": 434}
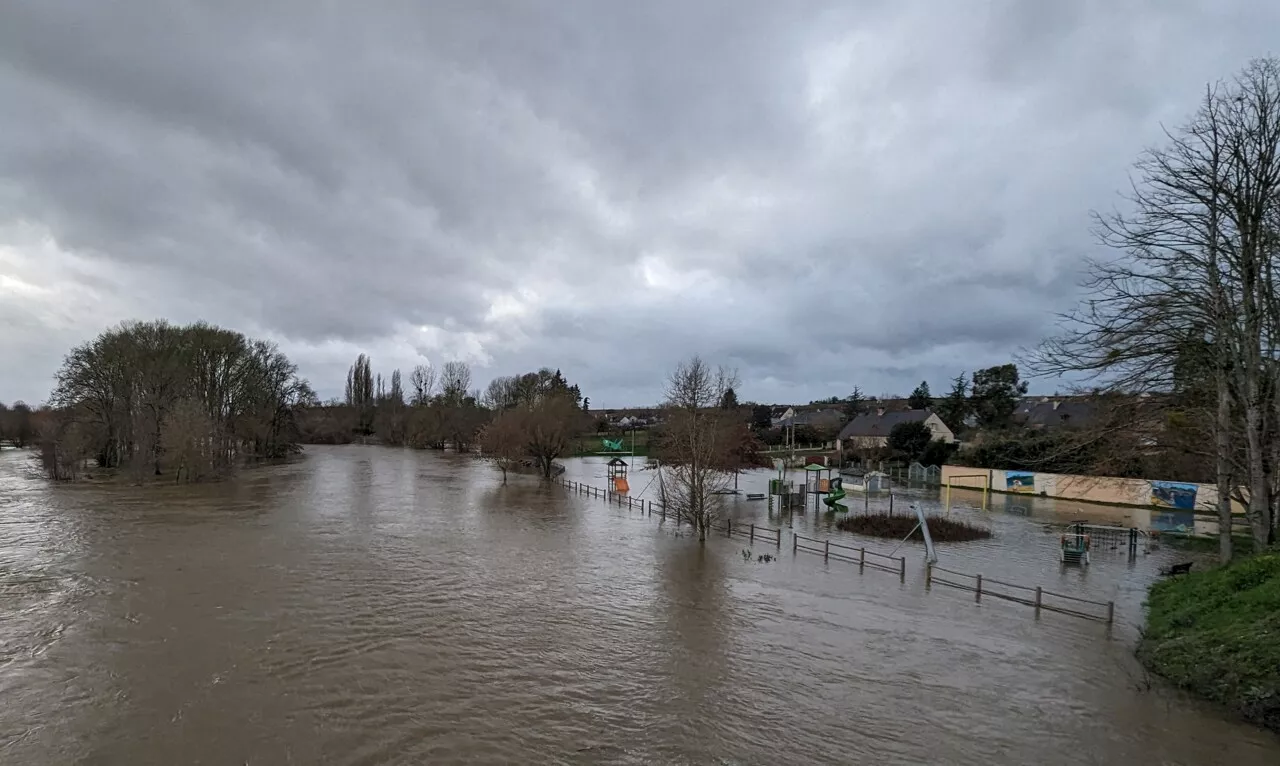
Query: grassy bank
{"x": 1217, "y": 634}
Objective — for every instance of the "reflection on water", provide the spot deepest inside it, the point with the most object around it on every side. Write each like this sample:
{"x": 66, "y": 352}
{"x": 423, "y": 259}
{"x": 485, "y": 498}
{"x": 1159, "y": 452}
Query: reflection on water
{"x": 373, "y": 605}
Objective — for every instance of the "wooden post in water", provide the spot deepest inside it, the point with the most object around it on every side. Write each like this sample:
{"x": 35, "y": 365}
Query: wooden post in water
{"x": 753, "y": 534}
{"x": 977, "y": 593}
{"x": 862, "y": 559}
{"x": 890, "y": 503}
{"x": 826, "y": 551}
{"x": 902, "y": 569}
{"x": 728, "y": 527}
{"x": 1111, "y": 611}
{"x": 779, "y": 534}
{"x": 1039, "y": 598}
{"x": 928, "y": 573}
{"x": 795, "y": 542}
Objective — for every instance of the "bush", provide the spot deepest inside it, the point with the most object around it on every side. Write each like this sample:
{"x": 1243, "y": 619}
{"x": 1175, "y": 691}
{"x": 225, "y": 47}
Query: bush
{"x": 942, "y": 529}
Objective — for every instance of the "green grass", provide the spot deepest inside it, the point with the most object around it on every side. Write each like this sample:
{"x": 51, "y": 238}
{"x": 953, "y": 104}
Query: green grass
{"x": 1217, "y": 633}
{"x": 590, "y": 444}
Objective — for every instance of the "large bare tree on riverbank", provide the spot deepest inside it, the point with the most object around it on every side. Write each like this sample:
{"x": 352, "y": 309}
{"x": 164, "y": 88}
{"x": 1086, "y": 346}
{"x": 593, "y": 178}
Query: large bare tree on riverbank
{"x": 696, "y": 437}
{"x": 1190, "y": 293}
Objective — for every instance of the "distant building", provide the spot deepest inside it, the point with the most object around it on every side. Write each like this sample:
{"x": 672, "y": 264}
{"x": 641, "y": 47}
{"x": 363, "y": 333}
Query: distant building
{"x": 1055, "y": 412}
{"x": 871, "y": 429}
{"x": 824, "y": 419}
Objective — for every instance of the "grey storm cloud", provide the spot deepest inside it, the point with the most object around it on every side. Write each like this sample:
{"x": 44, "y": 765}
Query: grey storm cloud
{"x": 822, "y": 194}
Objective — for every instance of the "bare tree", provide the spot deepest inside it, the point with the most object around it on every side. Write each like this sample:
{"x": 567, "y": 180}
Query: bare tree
{"x": 696, "y": 437}
{"x": 502, "y": 441}
{"x": 423, "y": 380}
{"x": 1191, "y": 291}
{"x": 455, "y": 380}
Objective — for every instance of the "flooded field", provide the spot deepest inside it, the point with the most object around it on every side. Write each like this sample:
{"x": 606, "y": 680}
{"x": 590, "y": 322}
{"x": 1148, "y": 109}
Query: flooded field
{"x": 371, "y": 605}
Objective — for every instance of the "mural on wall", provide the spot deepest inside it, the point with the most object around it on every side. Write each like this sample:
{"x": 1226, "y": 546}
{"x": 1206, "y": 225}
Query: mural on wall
{"x": 1019, "y": 481}
{"x": 1174, "y": 494}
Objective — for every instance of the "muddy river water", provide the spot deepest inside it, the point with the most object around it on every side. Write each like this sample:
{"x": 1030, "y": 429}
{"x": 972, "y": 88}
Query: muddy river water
{"x": 369, "y": 605}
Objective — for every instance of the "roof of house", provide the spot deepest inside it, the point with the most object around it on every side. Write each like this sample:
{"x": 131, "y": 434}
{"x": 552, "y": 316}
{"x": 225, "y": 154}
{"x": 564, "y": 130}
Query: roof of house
{"x": 877, "y": 424}
{"x": 1057, "y": 412}
{"x": 820, "y": 418}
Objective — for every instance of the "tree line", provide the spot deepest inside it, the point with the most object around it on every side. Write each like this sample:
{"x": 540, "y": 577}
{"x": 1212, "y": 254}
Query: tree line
{"x": 151, "y": 399}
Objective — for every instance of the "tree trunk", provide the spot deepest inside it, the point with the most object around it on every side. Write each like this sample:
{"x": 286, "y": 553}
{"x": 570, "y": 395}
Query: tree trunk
{"x": 1259, "y": 485}
{"x": 1222, "y": 434}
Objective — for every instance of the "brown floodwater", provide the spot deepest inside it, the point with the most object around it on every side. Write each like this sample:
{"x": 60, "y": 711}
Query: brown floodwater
{"x": 370, "y": 605}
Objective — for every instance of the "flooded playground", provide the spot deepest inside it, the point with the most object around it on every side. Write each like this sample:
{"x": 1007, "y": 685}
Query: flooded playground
{"x": 375, "y": 605}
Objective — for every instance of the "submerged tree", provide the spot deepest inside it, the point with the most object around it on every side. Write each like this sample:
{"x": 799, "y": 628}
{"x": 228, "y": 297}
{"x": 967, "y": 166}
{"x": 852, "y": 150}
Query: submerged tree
{"x": 696, "y": 437}
{"x": 134, "y": 391}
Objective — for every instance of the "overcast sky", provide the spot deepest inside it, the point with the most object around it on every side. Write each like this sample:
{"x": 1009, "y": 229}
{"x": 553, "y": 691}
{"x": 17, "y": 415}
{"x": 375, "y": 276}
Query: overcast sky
{"x": 823, "y": 195}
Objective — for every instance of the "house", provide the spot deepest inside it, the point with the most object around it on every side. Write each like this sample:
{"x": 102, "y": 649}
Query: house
{"x": 828, "y": 419}
{"x": 871, "y": 429}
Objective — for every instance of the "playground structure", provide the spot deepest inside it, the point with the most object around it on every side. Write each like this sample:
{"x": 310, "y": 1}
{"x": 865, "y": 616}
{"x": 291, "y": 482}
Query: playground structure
{"x": 1074, "y": 549}
{"x": 612, "y": 445}
{"x": 618, "y": 475}
{"x": 835, "y": 494}
{"x": 1106, "y": 537}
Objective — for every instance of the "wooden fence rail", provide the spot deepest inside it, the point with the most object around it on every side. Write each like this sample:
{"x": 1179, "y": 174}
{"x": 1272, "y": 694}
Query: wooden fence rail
{"x": 1033, "y": 596}
{"x": 982, "y": 587}
{"x": 828, "y": 550}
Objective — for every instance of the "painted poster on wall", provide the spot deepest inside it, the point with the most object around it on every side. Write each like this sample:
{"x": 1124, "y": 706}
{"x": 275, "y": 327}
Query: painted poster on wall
{"x": 1019, "y": 481}
{"x": 1174, "y": 494}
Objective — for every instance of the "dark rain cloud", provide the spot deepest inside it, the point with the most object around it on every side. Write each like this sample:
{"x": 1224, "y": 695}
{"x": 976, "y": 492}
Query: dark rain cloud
{"x": 822, "y": 194}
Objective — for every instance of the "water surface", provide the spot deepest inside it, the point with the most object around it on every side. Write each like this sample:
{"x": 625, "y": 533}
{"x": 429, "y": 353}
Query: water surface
{"x": 372, "y": 605}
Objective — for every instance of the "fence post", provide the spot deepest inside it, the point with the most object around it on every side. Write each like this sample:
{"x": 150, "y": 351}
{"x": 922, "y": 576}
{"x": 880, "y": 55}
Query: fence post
{"x": 728, "y": 527}
{"x": 890, "y": 503}
{"x": 795, "y": 541}
{"x": 1039, "y": 595}
{"x": 977, "y": 594}
{"x": 779, "y": 534}
{"x": 902, "y": 569}
{"x": 753, "y": 534}
{"x": 928, "y": 574}
{"x": 1111, "y": 611}
{"x": 862, "y": 559}
{"x": 826, "y": 551}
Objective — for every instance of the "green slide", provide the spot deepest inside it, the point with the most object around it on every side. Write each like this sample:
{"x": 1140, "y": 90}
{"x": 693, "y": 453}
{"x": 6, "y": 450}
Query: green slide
{"x": 835, "y": 493}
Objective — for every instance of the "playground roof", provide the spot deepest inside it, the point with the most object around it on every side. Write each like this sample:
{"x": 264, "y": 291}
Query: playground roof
{"x": 818, "y": 468}
{"x": 617, "y": 461}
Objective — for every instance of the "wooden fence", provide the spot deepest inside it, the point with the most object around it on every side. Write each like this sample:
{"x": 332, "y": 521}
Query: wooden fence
{"x": 832, "y": 550}
{"x": 750, "y": 531}
{"x": 1036, "y": 596}
{"x": 1033, "y": 596}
